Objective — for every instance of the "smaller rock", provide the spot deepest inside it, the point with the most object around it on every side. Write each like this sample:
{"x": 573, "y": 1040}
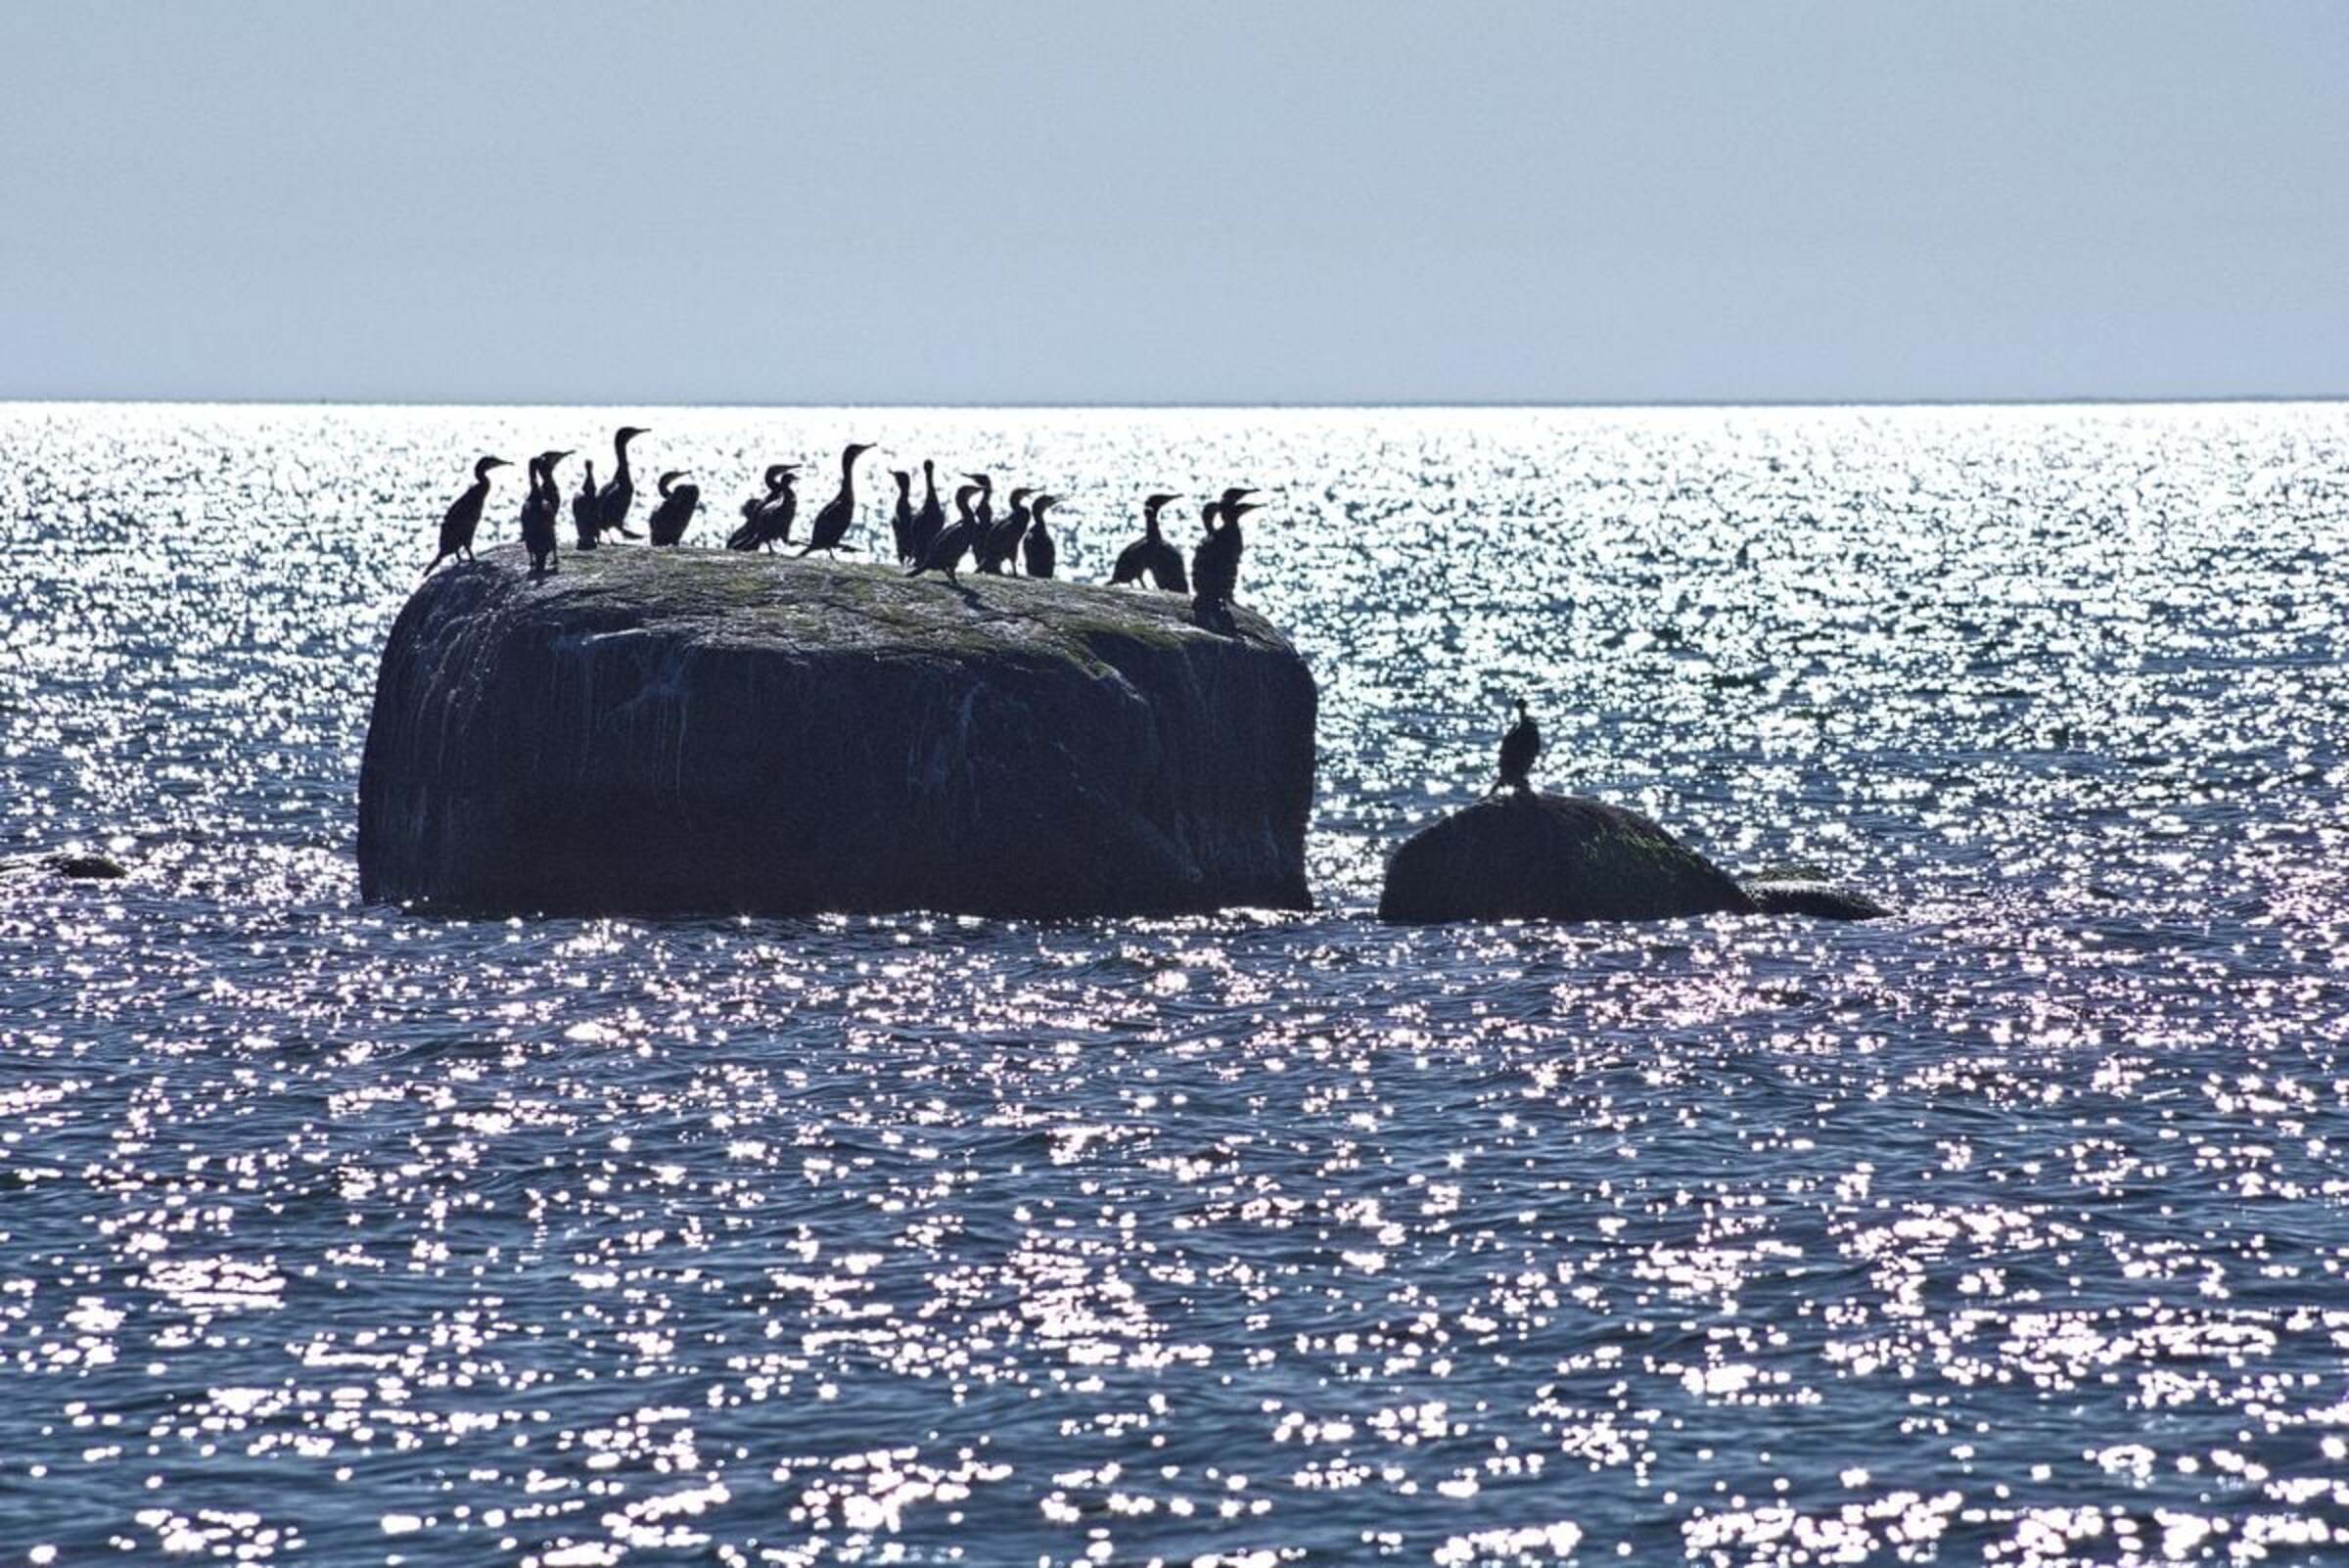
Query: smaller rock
{"x": 1523, "y": 857}
{"x": 1821, "y": 899}
{"x": 86, "y": 867}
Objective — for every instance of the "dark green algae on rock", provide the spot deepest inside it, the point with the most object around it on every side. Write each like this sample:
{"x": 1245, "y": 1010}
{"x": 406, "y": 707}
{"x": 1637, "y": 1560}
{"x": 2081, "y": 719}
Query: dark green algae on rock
{"x": 680, "y": 732}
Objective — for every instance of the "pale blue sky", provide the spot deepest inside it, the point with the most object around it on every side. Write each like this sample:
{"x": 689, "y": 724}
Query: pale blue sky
{"x": 1302, "y": 201}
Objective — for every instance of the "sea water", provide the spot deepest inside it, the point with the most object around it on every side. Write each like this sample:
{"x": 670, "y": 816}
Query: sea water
{"x": 2012, "y": 1227}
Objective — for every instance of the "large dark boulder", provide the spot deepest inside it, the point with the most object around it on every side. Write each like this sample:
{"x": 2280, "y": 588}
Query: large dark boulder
{"x": 701, "y": 731}
{"x": 1523, "y": 857}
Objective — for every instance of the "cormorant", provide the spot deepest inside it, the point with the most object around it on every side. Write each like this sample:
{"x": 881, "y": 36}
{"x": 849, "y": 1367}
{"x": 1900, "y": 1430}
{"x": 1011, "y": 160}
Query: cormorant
{"x": 1152, "y": 553}
{"x": 1216, "y": 561}
{"x": 1001, "y": 544}
{"x": 831, "y": 525}
{"x": 931, "y": 520}
{"x": 669, "y": 518}
{"x": 611, "y": 501}
{"x": 901, "y": 521}
{"x": 983, "y": 511}
{"x": 1040, "y": 553}
{"x": 767, "y": 519}
{"x": 465, "y": 514}
{"x": 539, "y": 510}
{"x": 1518, "y": 750}
{"x": 946, "y": 552}
{"x": 584, "y": 510}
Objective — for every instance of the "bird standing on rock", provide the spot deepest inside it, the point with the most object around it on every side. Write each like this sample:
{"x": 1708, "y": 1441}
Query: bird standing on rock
{"x": 584, "y": 510}
{"x": 1001, "y": 542}
{"x": 831, "y": 525}
{"x": 767, "y": 519}
{"x": 946, "y": 552}
{"x": 931, "y": 520}
{"x": 613, "y": 500}
{"x": 539, "y": 509}
{"x": 1216, "y": 561}
{"x": 669, "y": 518}
{"x": 1039, "y": 551}
{"x": 901, "y": 521}
{"x": 1152, "y": 554}
{"x": 1519, "y": 749}
{"x": 465, "y": 514}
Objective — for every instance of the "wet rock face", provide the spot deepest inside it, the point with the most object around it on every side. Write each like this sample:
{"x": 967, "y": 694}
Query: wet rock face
{"x": 1823, "y": 901}
{"x": 1521, "y": 856}
{"x": 718, "y": 733}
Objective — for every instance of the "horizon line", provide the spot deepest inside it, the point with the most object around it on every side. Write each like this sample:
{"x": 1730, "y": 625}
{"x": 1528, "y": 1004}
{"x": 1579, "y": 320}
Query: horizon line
{"x": 1431, "y": 405}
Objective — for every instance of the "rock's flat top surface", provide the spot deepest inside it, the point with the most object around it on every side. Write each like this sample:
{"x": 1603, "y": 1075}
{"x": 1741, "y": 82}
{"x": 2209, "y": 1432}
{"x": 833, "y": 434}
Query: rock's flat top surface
{"x": 1522, "y": 856}
{"x": 706, "y": 731}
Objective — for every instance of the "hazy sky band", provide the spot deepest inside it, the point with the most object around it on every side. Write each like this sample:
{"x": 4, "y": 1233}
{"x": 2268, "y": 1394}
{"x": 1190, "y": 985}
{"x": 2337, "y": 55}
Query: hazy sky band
{"x": 1173, "y": 203}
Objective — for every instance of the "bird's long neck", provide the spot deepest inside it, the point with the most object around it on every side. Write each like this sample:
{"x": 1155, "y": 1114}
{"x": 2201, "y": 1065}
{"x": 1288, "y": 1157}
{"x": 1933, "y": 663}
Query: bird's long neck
{"x": 930, "y": 483}
{"x": 1150, "y": 524}
{"x": 619, "y": 459}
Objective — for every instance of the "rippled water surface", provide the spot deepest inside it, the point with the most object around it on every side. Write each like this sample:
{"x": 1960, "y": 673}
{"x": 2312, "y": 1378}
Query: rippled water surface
{"x": 2011, "y": 1229}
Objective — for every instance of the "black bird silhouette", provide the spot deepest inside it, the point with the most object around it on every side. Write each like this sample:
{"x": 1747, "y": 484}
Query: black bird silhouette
{"x": 901, "y": 521}
{"x": 1040, "y": 553}
{"x": 1216, "y": 561}
{"x": 611, "y": 501}
{"x": 767, "y": 519}
{"x": 1001, "y": 544}
{"x": 585, "y": 508}
{"x": 831, "y": 525}
{"x": 669, "y": 518}
{"x": 946, "y": 551}
{"x": 465, "y": 514}
{"x": 539, "y": 509}
{"x": 983, "y": 510}
{"x": 1152, "y": 554}
{"x": 931, "y": 520}
{"x": 1519, "y": 749}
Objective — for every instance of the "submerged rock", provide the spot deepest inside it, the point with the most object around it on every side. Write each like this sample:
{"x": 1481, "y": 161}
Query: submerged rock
{"x": 1803, "y": 897}
{"x": 1521, "y": 856}
{"x": 87, "y": 867}
{"x": 713, "y": 732}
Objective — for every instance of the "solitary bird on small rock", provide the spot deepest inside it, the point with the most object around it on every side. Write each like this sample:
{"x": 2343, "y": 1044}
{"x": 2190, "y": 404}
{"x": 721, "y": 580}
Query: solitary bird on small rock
{"x": 1520, "y": 748}
{"x": 465, "y": 514}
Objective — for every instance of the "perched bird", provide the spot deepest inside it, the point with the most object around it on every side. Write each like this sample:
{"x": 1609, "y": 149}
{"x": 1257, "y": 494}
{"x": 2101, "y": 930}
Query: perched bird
{"x": 1518, "y": 750}
{"x": 1000, "y": 543}
{"x": 946, "y": 551}
{"x": 767, "y": 519}
{"x": 465, "y": 514}
{"x": 584, "y": 510}
{"x": 669, "y": 518}
{"x": 539, "y": 509}
{"x": 983, "y": 510}
{"x": 1216, "y": 561}
{"x": 1152, "y": 554}
{"x": 931, "y": 520}
{"x": 831, "y": 525}
{"x": 1040, "y": 553}
{"x": 611, "y": 501}
{"x": 901, "y": 521}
